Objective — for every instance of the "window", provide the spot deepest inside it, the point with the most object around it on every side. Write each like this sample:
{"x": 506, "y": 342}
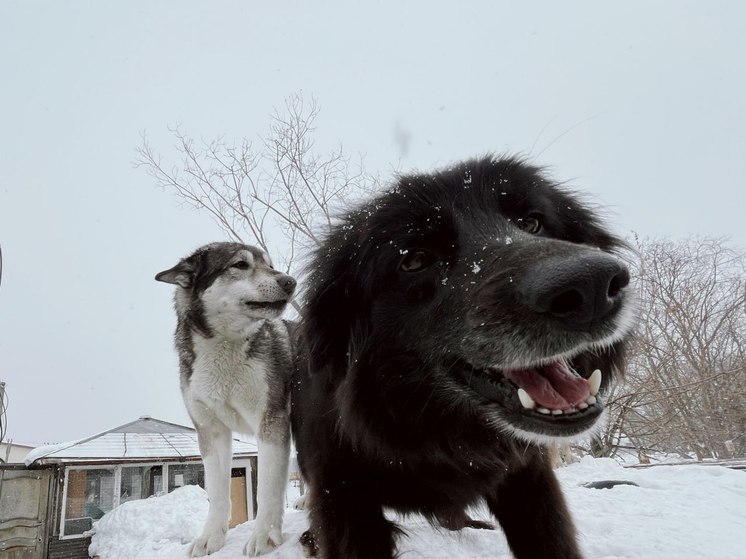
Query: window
{"x": 90, "y": 495}
{"x": 180, "y": 475}
{"x": 91, "y": 492}
{"x": 140, "y": 482}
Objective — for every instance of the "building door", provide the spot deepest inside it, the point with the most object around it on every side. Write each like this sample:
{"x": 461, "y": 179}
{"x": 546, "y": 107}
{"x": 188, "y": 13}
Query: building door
{"x": 239, "y": 508}
{"x": 24, "y": 501}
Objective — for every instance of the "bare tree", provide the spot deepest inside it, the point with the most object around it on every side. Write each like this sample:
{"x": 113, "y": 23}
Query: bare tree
{"x": 685, "y": 390}
{"x": 274, "y": 192}
{"x": 686, "y": 382}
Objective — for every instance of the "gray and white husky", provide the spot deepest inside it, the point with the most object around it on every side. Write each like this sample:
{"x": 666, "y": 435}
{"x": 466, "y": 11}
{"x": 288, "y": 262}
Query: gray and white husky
{"x": 235, "y": 357}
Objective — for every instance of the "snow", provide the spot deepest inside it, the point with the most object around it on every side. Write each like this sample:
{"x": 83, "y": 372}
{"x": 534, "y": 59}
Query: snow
{"x": 677, "y": 512}
{"x": 44, "y": 450}
{"x": 155, "y": 527}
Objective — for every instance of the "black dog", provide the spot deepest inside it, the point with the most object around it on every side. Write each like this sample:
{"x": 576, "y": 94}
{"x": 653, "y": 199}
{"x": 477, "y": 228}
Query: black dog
{"x": 453, "y": 325}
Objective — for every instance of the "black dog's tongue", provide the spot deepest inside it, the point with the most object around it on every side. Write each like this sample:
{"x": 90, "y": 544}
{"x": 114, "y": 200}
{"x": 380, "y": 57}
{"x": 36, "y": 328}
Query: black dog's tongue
{"x": 554, "y": 386}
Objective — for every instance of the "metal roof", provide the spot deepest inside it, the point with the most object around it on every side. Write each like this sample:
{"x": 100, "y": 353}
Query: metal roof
{"x": 146, "y": 438}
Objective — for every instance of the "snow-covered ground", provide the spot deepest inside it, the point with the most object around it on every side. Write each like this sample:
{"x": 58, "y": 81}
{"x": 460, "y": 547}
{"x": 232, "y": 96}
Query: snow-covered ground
{"x": 677, "y": 512}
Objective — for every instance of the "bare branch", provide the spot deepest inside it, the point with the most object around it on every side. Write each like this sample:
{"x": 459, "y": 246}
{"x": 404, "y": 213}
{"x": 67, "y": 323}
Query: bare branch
{"x": 281, "y": 195}
{"x": 687, "y": 369}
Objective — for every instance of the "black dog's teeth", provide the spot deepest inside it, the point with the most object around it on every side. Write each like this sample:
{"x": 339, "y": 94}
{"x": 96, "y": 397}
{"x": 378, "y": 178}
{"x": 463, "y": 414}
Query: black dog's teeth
{"x": 590, "y": 402}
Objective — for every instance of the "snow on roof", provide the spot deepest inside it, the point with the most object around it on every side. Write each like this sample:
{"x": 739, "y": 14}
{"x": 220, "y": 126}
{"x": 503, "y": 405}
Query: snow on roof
{"x": 141, "y": 439}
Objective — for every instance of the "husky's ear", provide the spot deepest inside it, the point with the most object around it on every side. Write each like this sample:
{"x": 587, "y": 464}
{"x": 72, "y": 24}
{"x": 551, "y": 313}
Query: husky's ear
{"x": 182, "y": 275}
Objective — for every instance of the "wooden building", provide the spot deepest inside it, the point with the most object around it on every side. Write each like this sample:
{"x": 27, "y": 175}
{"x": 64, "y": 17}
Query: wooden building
{"x": 49, "y": 504}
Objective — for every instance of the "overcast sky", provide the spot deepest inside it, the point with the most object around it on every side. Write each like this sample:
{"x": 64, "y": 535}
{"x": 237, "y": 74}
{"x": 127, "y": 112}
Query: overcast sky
{"x": 640, "y": 104}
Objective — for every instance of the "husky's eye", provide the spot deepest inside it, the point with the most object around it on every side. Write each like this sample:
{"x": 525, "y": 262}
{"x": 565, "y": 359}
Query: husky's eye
{"x": 417, "y": 260}
{"x": 530, "y": 224}
{"x": 241, "y": 265}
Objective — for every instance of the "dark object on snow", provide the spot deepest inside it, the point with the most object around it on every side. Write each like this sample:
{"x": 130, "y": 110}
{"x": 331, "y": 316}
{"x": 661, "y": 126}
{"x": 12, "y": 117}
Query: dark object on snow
{"x": 459, "y": 520}
{"x": 452, "y": 324}
{"x": 608, "y": 484}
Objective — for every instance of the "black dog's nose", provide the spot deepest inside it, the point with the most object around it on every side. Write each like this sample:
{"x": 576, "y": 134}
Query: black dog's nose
{"x": 579, "y": 291}
{"x": 287, "y": 283}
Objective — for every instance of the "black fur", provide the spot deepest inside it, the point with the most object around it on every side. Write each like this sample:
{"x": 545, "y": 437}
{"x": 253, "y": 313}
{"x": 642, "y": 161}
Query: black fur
{"x": 416, "y": 301}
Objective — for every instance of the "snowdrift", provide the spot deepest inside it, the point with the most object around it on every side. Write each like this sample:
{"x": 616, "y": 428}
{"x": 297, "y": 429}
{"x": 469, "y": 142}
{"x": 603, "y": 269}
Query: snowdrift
{"x": 675, "y": 512}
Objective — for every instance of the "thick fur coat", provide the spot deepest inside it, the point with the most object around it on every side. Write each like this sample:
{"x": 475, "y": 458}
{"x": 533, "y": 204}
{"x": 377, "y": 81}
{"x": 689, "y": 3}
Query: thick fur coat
{"x": 453, "y": 325}
{"x": 236, "y": 362}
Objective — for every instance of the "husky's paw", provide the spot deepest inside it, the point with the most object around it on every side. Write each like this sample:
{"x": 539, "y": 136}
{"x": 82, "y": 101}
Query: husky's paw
{"x": 263, "y": 541}
{"x": 207, "y": 544}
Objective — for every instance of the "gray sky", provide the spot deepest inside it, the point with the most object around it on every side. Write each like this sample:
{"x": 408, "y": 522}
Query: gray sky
{"x": 640, "y": 104}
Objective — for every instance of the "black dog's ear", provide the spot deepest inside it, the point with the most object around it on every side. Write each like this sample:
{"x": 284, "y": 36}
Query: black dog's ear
{"x": 327, "y": 326}
{"x": 331, "y": 305}
{"x": 182, "y": 275}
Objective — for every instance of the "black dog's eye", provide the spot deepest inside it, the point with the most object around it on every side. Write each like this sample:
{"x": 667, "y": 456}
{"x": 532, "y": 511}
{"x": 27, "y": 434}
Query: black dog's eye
{"x": 416, "y": 260}
{"x": 530, "y": 224}
{"x": 241, "y": 265}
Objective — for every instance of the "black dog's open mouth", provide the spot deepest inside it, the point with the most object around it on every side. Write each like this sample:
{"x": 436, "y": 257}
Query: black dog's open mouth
{"x": 553, "y": 393}
{"x": 277, "y": 306}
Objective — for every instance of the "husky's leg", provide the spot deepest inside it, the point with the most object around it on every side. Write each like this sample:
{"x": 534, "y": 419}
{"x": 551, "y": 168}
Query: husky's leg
{"x": 274, "y": 453}
{"x": 215, "y": 446}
